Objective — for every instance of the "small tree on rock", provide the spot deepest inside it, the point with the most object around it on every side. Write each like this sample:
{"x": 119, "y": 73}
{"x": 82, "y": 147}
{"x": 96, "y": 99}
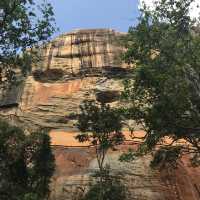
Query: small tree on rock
{"x": 101, "y": 127}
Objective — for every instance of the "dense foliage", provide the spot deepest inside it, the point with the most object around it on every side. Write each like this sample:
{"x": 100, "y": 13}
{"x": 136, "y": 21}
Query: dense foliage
{"x": 164, "y": 93}
{"x": 23, "y": 24}
{"x": 26, "y": 164}
{"x": 113, "y": 187}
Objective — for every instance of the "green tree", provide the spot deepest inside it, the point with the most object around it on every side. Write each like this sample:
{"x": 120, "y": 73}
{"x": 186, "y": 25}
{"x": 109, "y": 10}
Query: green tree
{"x": 164, "y": 94}
{"x": 26, "y": 164}
{"x": 101, "y": 127}
{"x": 113, "y": 187}
{"x": 23, "y": 25}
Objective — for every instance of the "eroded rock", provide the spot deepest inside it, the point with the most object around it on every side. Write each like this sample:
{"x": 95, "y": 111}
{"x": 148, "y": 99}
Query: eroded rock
{"x": 79, "y": 65}
{"x": 83, "y": 51}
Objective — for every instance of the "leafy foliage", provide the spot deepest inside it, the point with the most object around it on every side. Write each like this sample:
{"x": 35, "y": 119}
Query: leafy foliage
{"x": 23, "y": 24}
{"x": 100, "y": 124}
{"x": 128, "y": 156}
{"x": 101, "y": 127}
{"x": 166, "y": 156}
{"x": 164, "y": 93}
{"x": 26, "y": 164}
{"x": 113, "y": 188}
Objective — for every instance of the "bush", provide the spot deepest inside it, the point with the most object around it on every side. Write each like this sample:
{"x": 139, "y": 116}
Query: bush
{"x": 26, "y": 164}
{"x": 111, "y": 189}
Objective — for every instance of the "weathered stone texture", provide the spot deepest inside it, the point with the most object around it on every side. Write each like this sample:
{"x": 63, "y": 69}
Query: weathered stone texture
{"x": 143, "y": 182}
{"x": 53, "y": 92}
{"x": 82, "y": 49}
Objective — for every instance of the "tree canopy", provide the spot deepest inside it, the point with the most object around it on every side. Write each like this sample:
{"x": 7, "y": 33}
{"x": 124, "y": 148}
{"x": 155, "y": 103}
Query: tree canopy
{"x": 23, "y": 24}
{"x": 101, "y": 127}
{"x": 164, "y": 92}
{"x": 26, "y": 164}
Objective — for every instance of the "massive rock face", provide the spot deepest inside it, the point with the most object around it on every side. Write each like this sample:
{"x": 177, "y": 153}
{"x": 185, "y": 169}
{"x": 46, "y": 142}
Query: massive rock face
{"x": 77, "y": 65}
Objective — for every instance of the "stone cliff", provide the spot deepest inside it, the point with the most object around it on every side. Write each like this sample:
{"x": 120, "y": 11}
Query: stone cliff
{"x": 74, "y": 66}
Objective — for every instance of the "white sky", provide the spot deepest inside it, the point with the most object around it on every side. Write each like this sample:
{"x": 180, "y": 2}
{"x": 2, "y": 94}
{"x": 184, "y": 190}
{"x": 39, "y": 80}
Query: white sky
{"x": 195, "y": 10}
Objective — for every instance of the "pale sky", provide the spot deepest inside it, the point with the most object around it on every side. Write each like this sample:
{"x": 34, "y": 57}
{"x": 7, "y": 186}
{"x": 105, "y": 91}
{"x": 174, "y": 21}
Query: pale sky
{"x": 115, "y": 14}
{"x": 195, "y": 10}
{"x": 83, "y": 14}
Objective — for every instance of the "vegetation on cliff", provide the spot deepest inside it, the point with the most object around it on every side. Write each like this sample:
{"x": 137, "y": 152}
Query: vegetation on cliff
{"x": 164, "y": 93}
{"x": 112, "y": 187}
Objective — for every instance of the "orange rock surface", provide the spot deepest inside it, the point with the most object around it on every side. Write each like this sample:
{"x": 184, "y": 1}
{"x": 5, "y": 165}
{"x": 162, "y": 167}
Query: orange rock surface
{"x": 67, "y": 139}
{"x": 73, "y": 158}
